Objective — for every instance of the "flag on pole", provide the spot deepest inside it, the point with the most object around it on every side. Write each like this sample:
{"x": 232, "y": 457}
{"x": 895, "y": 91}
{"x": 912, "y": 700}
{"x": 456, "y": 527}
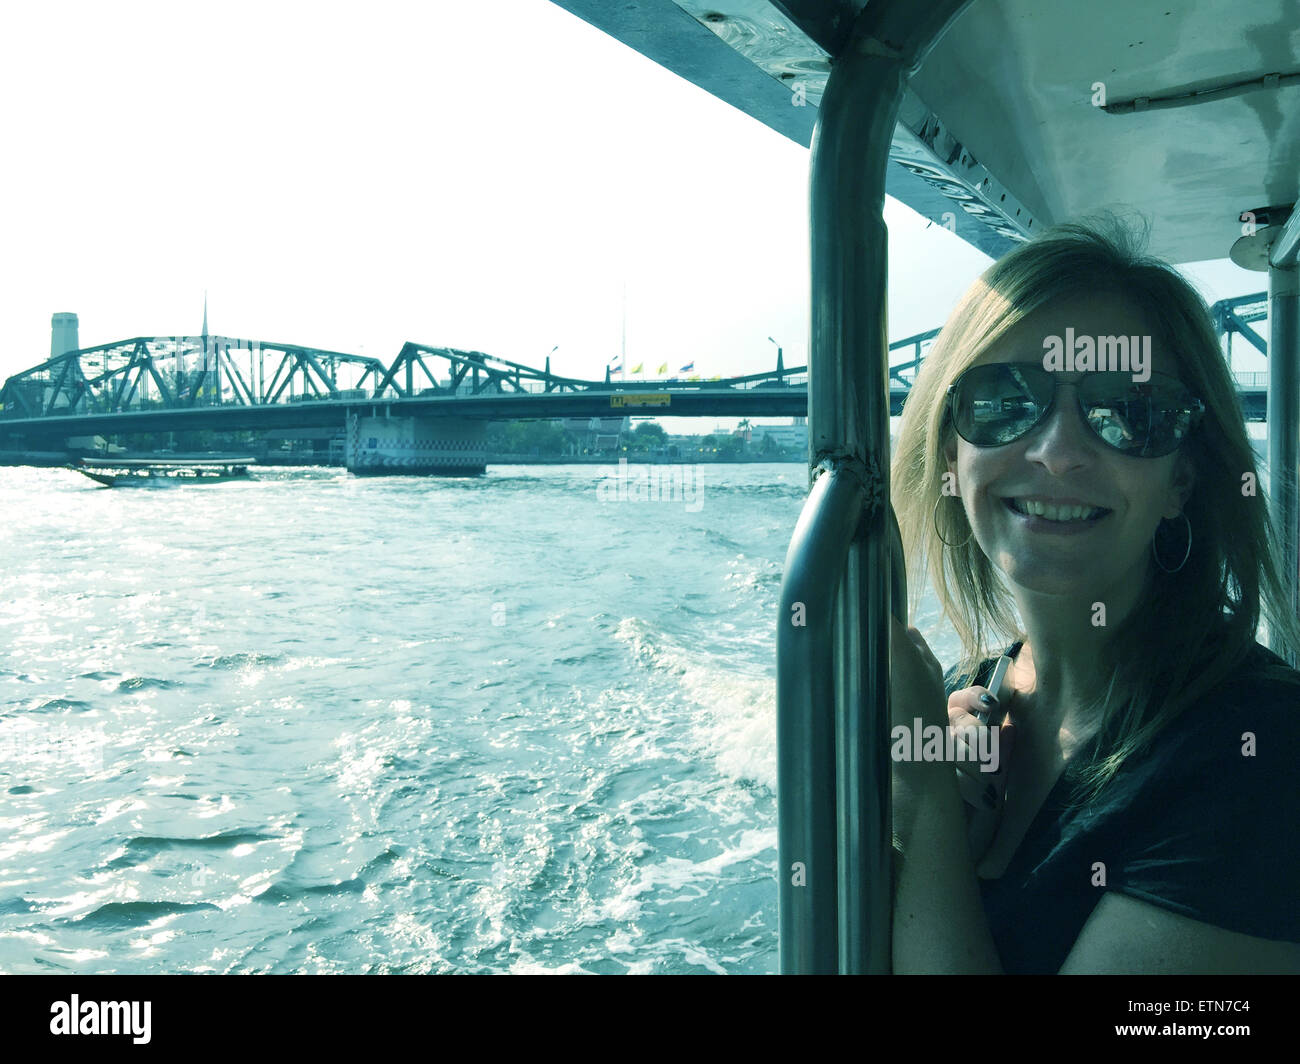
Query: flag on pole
{"x": 637, "y": 367}
{"x": 617, "y": 364}
{"x": 687, "y": 368}
{"x": 663, "y": 368}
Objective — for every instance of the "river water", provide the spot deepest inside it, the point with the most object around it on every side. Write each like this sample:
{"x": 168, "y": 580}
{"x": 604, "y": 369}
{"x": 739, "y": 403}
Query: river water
{"x": 318, "y": 723}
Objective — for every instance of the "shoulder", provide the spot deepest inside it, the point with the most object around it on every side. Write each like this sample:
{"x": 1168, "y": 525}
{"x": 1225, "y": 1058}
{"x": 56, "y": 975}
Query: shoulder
{"x": 1202, "y": 820}
{"x": 1256, "y": 709}
{"x": 1233, "y": 745}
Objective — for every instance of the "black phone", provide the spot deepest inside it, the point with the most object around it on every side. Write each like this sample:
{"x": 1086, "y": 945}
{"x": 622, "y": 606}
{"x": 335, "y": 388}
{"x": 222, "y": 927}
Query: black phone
{"x": 997, "y": 686}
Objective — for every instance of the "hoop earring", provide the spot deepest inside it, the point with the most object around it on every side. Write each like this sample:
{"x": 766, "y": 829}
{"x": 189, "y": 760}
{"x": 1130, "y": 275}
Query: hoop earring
{"x": 970, "y": 531}
{"x": 1186, "y": 554}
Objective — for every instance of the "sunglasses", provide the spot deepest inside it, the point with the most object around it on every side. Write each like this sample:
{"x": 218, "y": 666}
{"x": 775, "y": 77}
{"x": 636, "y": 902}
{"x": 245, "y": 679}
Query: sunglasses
{"x": 996, "y": 404}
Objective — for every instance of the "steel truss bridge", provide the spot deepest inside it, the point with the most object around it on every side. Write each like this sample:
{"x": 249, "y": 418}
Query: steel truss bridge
{"x": 169, "y": 384}
{"x": 162, "y": 383}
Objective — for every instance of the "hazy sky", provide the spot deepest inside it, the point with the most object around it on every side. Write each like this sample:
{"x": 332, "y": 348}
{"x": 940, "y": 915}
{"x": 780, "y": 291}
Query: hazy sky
{"x": 353, "y": 176}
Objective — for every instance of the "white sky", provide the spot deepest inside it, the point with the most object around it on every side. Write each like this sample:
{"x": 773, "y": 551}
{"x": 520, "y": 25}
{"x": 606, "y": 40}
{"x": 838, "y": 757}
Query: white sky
{"x": 352, "y": 176}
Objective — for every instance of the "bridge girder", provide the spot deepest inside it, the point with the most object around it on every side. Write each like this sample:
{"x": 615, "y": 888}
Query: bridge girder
{"x": 221, "y": 374}
{"x": 171, "y": 374}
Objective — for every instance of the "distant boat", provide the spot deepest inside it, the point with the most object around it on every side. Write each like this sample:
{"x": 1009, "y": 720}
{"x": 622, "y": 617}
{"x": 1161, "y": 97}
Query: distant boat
{"x": 119, "y": 472}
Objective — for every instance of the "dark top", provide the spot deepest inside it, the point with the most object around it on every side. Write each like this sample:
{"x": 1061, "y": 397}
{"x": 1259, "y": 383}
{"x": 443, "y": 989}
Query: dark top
{"x": 1200, "y": 824}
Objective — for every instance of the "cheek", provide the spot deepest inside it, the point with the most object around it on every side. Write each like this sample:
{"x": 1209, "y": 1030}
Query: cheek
{"x": 965, "y": 466}
{"x": 976, "y": 470}
{"x": 1150, "y": 494}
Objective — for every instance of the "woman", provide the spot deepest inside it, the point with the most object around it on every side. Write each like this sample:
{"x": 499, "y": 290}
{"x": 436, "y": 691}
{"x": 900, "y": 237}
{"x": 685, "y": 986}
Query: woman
{"x": 1105, "y": 529}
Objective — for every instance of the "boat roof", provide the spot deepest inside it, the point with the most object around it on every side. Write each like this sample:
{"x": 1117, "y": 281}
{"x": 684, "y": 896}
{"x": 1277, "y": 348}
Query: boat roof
{"x": 1197, "y": 119}
{"x": 165, "y": 463}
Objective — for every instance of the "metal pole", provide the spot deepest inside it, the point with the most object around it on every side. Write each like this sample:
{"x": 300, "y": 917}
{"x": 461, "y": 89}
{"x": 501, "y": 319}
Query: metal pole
{"x": 806, "y": 734}
{"x": 848, "y": 439}
{"x": 1284, "y": 424}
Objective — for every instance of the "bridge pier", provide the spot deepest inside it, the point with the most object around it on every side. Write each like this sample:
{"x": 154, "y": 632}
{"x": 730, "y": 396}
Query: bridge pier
{"x": 439, "y": 446}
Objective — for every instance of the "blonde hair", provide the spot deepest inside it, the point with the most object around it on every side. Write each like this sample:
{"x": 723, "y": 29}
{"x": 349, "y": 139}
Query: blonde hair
{"x": 1195, "y": 626}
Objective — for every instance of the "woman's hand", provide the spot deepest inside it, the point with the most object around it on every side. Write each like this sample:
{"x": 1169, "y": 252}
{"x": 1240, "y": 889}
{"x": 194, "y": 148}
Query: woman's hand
{"x": 915, "y": 680}
{"x": 916, "y": 691}
{"x": 916, "y": 698}
{"x": 983, "y": 791}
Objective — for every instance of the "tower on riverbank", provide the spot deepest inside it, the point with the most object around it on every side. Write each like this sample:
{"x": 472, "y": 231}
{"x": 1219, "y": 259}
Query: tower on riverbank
{"x": 63, "y": 334}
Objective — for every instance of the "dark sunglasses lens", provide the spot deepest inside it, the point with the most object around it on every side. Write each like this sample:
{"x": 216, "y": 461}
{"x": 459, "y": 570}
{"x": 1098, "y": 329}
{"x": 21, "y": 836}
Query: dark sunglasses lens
{"x": 1149, "y": 419}
{"x": 997, "y": 404}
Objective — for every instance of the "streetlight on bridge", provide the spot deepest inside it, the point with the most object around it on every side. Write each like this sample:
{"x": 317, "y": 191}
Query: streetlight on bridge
{"x": 548, "y": 359}
{"x": 780, "y": 366}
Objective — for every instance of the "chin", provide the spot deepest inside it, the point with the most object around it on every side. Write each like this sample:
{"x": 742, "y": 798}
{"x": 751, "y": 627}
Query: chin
{"x": 1052, "y": 578}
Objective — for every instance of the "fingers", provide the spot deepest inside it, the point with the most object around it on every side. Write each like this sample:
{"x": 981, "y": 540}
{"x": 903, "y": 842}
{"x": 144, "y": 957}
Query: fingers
{"x": 965, "y": 703}
{"x": 983, "y": 770}
{"x": 913, "y": 636}
{"x": 981, "y": 751}
{"x": 985, "y": 751}
{"x": 911, "y": 656}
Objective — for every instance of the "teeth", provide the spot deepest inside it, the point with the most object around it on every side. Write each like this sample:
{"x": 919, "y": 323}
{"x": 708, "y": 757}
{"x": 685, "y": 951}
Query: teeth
{"x": 1055, "y": 513}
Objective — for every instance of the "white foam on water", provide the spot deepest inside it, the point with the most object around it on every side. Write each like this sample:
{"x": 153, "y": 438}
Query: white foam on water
{"x": 527, "y": 966}
{"x": 735, "y": 722}
{"x": 676, "y": 874}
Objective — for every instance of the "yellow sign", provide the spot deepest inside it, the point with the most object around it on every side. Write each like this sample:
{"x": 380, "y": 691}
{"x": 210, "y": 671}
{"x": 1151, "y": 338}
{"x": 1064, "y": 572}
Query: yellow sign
{"x": 651, "y": 399}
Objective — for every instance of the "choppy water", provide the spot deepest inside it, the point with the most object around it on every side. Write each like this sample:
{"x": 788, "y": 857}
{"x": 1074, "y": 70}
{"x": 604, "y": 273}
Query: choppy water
{"x": 316, "y": 723}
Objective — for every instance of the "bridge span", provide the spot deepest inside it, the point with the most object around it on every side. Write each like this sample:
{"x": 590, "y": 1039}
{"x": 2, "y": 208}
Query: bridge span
{"x": 429, "y": 400}
{"x": 176, "y": 383}
{"x": 426, "y": 412}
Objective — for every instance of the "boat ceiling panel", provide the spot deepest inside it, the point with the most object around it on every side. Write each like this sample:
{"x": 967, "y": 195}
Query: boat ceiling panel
{"x": 1014, "y": 81}
{"x": 1002, "y": 117}
{"x": 754, "y": 57}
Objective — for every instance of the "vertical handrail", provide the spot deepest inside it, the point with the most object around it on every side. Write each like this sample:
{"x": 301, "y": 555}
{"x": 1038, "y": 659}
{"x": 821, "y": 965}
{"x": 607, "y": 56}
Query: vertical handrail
{"x": 861, "y": 641}
{"x": 1283, "y": 413}
{"x": 806, "y": 727}
{"x": 845, "y": 926}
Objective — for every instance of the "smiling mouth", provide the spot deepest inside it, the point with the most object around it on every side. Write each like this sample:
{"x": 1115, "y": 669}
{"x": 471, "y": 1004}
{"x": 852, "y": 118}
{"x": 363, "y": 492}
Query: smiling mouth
{"x": 1049, "y": 512}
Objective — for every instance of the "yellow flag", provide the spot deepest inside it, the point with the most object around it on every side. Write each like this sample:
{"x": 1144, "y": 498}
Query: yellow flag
{"x": 637, "y": 367}
{"x": 663, "y": 368}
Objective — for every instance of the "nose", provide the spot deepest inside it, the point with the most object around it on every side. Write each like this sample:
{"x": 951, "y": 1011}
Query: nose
{"x": 1062, "y": 441}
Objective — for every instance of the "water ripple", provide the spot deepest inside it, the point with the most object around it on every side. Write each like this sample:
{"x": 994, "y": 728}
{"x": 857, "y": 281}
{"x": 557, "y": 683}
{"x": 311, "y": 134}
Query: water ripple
{"x": 426, "y": 725}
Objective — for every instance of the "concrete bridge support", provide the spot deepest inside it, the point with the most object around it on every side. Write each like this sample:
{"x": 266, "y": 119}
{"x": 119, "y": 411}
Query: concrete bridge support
{"x": 441, "y": 446}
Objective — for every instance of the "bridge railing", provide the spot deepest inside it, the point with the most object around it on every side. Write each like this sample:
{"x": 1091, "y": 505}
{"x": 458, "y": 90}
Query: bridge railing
{"x": 1251, "y": 381}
